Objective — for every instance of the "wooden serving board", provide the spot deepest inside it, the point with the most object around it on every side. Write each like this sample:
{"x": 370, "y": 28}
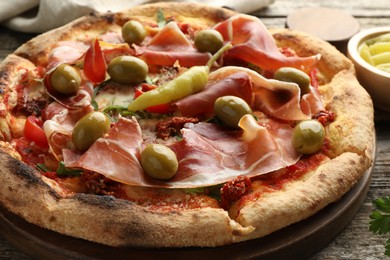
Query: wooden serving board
{"x": 297, "y": 241}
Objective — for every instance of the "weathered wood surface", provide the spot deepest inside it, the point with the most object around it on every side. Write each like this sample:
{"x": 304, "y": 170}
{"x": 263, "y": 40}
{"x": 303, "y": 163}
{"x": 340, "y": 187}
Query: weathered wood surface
{"x": 356, "y": 241}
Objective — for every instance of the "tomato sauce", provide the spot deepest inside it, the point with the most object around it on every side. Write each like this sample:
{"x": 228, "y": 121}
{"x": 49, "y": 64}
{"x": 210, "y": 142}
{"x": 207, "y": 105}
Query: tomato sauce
{"x": 277, "y": 180}
{"x": 31, "y": 153}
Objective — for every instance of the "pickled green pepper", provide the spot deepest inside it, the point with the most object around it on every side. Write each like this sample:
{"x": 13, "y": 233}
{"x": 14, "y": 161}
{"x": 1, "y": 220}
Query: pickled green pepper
{"x": 191, "y": 81}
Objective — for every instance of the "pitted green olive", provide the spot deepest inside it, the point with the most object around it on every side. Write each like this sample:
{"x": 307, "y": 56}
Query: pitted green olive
{"x": 65, "y": 79}
{"x": 159, "y": 161}
{"x": 128, "y": 70}
{"x": 88, "y": 129}
{"x": 230, "y": 109}
{"x": 133, "y": 32}
{"x": 308, "y": 137}
{"x": 294, "y": 75}
{"x": 208, "y": 41}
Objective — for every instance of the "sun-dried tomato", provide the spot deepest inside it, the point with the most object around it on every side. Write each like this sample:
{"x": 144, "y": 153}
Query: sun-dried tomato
{"x": 233, "y": 190}
{"x": 324, "y": 117}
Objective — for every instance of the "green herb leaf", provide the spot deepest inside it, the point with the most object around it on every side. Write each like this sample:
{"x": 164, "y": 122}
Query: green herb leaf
{"x": 380, "y": 222}
{"x": 42, "y": 167}
{"x": 215, "y": 191}
{"x": 148, "y": 79}
{"x": 387, "y": 251}
{"x": 211, "y": 191}
{"x": 95, "y": 92}
{"x": 380, "y": 219}
{"x": 63, "y": 171}
{"x": 151, "y": 80}
{"x": 161, "y": 22}
{"x": 194, "y": 190}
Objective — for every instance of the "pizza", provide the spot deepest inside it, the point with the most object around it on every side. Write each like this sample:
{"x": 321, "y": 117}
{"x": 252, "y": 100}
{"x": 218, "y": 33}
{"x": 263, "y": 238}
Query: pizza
{"x": 178, "y": 125}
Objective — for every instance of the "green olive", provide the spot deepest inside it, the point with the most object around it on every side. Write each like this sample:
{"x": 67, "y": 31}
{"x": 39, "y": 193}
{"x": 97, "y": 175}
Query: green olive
{"x": 133, "y": 32}
{"x": 128, "y": 70}
{"x": 65, "y": 79}
{"x": 294, "y": 75}
{"x": 208, "y": 41}
{"x": 88, "y": 129}
{"x": 308, "y": 136}
{"x": 159, "y": 161}
{"x": 230, "y": 109}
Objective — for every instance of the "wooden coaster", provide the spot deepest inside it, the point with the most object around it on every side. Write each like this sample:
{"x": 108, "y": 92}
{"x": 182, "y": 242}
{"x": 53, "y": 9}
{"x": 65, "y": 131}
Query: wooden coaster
{"x": 331, "y": 25}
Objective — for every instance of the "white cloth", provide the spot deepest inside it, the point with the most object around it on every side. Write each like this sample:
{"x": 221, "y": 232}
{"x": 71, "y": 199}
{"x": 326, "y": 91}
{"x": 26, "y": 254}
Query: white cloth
{"x": 54, "y": 13}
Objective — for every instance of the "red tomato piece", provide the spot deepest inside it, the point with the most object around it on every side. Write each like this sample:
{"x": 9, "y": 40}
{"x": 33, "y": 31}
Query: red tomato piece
{"x": 33, "y": 131}
{"x": 158, "y": 109}
{"x": 94, "y": 63}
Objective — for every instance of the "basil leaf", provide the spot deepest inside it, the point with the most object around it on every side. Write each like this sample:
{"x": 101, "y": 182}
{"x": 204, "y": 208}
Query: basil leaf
{"x": 215, "y": 192}
{"x": 95, "y": 92}
{"x": 161, "y": 22}
{"x": 194, "y": 190}
{"x": 150, "y": 80}
{"x": 211, "y": 191}
{"x": 114, "y": 111}
{"x": 63, "y": 171}
{"x": 42, "y": 167}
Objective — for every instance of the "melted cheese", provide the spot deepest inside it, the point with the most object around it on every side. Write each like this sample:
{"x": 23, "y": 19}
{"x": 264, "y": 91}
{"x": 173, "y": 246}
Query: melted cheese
{"x": 115, "y": 97}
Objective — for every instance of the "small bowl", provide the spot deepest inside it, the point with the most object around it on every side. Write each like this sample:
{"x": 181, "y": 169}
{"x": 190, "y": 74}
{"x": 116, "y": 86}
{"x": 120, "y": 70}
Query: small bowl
{"x": 374, "y": 80}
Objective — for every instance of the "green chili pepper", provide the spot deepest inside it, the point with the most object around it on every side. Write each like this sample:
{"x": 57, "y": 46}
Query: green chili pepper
{"x": 188, "y": 83}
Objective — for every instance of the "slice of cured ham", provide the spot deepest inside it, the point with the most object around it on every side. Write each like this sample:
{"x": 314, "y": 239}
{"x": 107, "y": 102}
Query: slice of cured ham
{"x": 207, "y": 154}
{"x": 116, "y": 155}
{"x": 66, "y": 52}
{"x": 61, "y": 117}
{"x": 254, "y": 44}
{"x": 275, "y": 98}
{"x": 170, "y": 45}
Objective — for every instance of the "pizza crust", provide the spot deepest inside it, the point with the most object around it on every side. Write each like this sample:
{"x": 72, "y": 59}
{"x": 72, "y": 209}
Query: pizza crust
{"x": 303, "y": 199}
{"x": 12, "y": 69}
{"x": 107, "y": 220}
{"x": 116, "y": 222}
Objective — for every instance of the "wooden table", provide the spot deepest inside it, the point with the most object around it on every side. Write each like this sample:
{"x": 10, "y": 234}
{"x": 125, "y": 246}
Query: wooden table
{"x": 356, "y": 241}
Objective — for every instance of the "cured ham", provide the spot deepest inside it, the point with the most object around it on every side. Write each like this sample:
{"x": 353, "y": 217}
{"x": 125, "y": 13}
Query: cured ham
{"x": 276, "y": 98}
{"x": 61, "y": 116}
{"x": 66, "y": 52}
{"x": 207, "y": 154}
{"x": 170, "y": 45}
{"x": 311, "y": 102}
{"x": 116, "y": 155}
{"x": 237, "y": 84}
{"x": 254, "y": 44}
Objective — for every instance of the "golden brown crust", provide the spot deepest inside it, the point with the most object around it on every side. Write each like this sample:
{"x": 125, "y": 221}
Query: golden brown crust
{"x": 116, "y": 222}
{"x": 301, "y": 199}
{"x": 12, "y": 70}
